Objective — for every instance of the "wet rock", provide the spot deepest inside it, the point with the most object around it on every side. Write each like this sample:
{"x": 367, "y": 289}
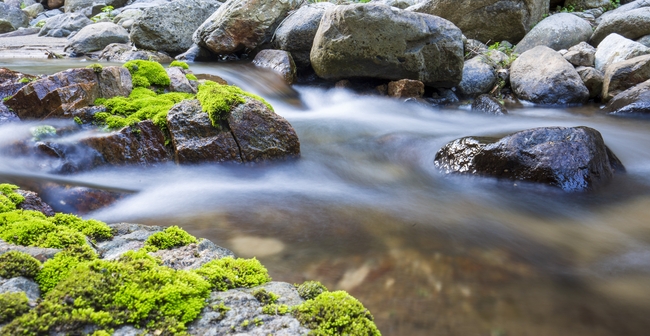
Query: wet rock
{"x": 405, "y": 88}
{"x": 624, "y": 75}
{"x": 478, "y": 77}
{"x": 21, "y": 284}
{"x": 488, "y": 105}
{"x": 195, "y": 54}
{"x": 114, "y": 81}
{"x": 64, "y": 25}
{"x": 244, "y": 24}
{"x": 169, "y": 27}
{"x": 121, "y": 52}
{"x": 630, "y": 24}
{"x": 593, "y": 80}
{"x": 33, "y": 202}
{"x": 78, "y": 200}
{"x": 279, "y": 61}
{"x": 192, "y": 256}
{"x": 559, "y": 31}
{"x": 443, "y": 96}
{"x": 489, "y": 20}
{"x": 10, "y": 83}
{"x": 96, "y": 37}
{"x": 616, "y": 48}
{"x": 40, "y": 253}
{"x": 194, "y": 138}
{"x": 180, "y": 83}
{"x": 126, "y": 237}
{"x": 633, "y": 101}
{"x": 581, "y": 54}
{"x": 571, "y": 158}
{"x": 16, "y": 17}
{"x": 365, "y": 40}
{"x": 296, "y": 33}
{"x": 543, "y": 76}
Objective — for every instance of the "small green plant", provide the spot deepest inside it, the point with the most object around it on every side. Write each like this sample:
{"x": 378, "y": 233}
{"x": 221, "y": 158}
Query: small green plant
{"x": 58, "y": 268}
{"x": 6, "y": 98}
{"x": 23, "y": 5}
{"x": 96, "y": 67}
{"x": 276, "y": 309}
{"x": 78, "y": 120}
{"x": 613, "y": 4}
{"x": 265, "y": 297}
{"x": 310, "y": 289}
{"x": 335, "y": 313}
{"x": 218, "y": 100}
{"x": 40, "y": 24}
{"x": 92, "y": 228}
{"x": 9, "y": 198}
{"x": 144, "y": 72}
{"x": 191, "y": 77}
{"x": 228, "y": 273}
{"x": 12, "y": 305}
{"x": 24, "y": 80}
{"x": 171, "y": 237}
{"x": 179, "y": 64}
{"x": 15, "y": 264}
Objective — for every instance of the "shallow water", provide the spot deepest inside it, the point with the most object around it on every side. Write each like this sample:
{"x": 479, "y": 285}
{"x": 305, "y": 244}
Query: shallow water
{"x": 364, "y": 210}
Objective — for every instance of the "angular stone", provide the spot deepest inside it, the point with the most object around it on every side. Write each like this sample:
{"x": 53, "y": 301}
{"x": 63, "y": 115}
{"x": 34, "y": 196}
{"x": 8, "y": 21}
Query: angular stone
{"x": 488, "y": 105}
{"x": 633, "y": 101}
{"x": 406, "y": 88}
{"x": 179, "y": 82}
{"x": 581, "y": 54}
{"x": 593, "y": 80}
{"x": 616, "y": 48}
{"x": 278, "y": 61}
{"x": 114, "y": 81}
{"x": 559, "y": 31}
{"x": 33, "y": 202}
{"x": 624, "y": 75}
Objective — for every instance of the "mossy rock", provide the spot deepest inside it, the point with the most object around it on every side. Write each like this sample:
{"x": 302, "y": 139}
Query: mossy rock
{"x": 12, "y": 305}
{"x": 147, "y": 73}
{"x": 171, "y": 237}
{"x": 14, "y": 264}
{"x": 228, "y": 273}
{"x": 218, "y": 100}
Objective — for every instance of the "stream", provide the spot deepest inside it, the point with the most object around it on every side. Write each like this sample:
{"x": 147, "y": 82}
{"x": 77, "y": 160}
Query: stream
{"x": 365, "y": 210}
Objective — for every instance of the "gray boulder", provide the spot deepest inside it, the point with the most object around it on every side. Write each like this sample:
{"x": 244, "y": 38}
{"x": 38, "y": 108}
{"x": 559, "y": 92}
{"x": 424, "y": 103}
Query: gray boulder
{"x": 169, "y": 27}
{"x": 488, "y": 20}
{"x": 616, "y": 48}
{"x": 543, "y": 76}
{"x": 478, "y": 77}
{"x": 192, "y": 256}
{"x": 559, "y": 31}
{"x": 633, "y": 101}
{"x": 385, "y": 42}
{"x": 21, "y": 284}
{"x": 64, "y": 25}
{"x": 645, "y": 40}
{"x": 121, "y": 52}
{"x": 44, "y": 16}
{"x": 72, "y": 6}
{"x": 242, "y": 24}
{"x": 16, "y": 17}
{"x": 126, "y": 237}
{"x": 624, "y": 75}
{"x": 488, "y": 105}
{"x": 296, "y": 33}
{"x": 278, "y": 61}
{"x": 581, "y": 54}
{"x": 127, "y": 18}
{"x": 626, "y": 7}
{"x": 96, "y": 37}
{"x": 631, "y": 24}
{"x": 593, "y": 80}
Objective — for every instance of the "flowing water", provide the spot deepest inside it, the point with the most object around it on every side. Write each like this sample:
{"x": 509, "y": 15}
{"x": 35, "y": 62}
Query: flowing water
{"x": 364, "y": 210}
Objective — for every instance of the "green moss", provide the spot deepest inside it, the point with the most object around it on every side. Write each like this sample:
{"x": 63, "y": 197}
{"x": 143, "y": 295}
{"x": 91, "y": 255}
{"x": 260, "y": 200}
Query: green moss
{"x": 335, "y": 313}
{"x": 96, "y": 67}
{"x": 265, "y": 297}
{"x": 276, "y": 309}
{"x": 310, "y": 289}
{"x": 12, "y": 305}
{"x": 218, "y": 100}
{"x": 26, "y": 227}
{"x": 43, "y": 132}
{"x": 78, "y": 120}
{"x": 58, "y": 268}
{"x": 227, "y": 273}
{"x": 220, "y": 308}
{"x": 147, "y": 72}
{"x": 179, "y": 64}
{"x": 101, "y": 333}
{"x": 24, "y": 80}
{"x": 9, "y": 198}
{"x": 171, "y": 237}
{"x": 191, "y": 77}
{"x": 91, "y": 228}
{"x": 14, "y": 264}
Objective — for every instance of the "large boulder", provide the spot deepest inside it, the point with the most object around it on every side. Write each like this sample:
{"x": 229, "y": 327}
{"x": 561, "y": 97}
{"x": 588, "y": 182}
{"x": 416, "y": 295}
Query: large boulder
{"x": 559, "y": 31}
{"x": 296, "y": 33}
{"x": 169, "y": 27}
{"x": 242, "y": 24}
{"x": 478, "y": 77}
{"x": 624, "y": 75}
{"x": 616, "y": 48}
{"x": 633, "y": 101}
{"x": 385, "y": 42}
{"x": 571, "y": 158}
{"x": 278, "y": 61}
{"x": 13, "y": 15}
{"x": 96, "y": 37}
{"x": 488, "y": 20}
{"x": 631, "y": 24}
{"x": 626, "y": 7}
{"x": 64, "y": 25}
{"x": 543, "y": 76}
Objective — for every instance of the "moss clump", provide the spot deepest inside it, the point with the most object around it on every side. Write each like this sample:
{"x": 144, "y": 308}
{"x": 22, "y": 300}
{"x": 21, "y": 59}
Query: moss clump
{"x": 276, "y": 309}
{"x": 78, "y": 120}
{"x": 91, "y": 228}
{"x": 134, "y": 289}
{"x": 191, "y": 77}
{"x": 147, "y": 73}
{"x": 58, "y": 268}
{"x": 179, "y": 64}
{"x": 43, "y": 132}
{"x": 101, "y": 333}
{"x": 335, "y": 313}
{"x": 310, "y": 289}
{"x": 171, "y": 237}
{"x": 218, "y": 100}
{"x": 12, "y": 305}
{"x": 265, "y": 297}
{"x": 32, "y": 228}
{"x": 228, "y": 273}
{"x": 14, "y": 264}
{"x": 96, "y": 67}
{"x": 9, "y": 198}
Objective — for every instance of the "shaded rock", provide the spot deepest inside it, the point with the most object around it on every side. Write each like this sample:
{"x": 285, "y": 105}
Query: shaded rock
{"x": 53, "y": 4}
{"x": 10, "y": 84}
{"x": 279, "y": 61}
{"x": 33, "y": 202}
{"x": 443, "y": 96}
{"x": 593, "y": 80}
{"x": 194, "y": 138}
{"x": 406, "y": 88}
{"x": 478, "y": 77}
{"x": 96, "y": 37}
{"x": 488, "y": 105}
{"x": 114, "y": 81}
{"x": 78, "y": 200}
{"x": 581, "y": 54}
{"x": 80, "y": 5}
{"x": 571, "y": 158}
{"x": 179, "y": 82}
{"x": 121, "y": 52}
{"x": 243, "y": 24}
{"x": 21, "y": 284}
{"x": 16, "y": 17}
{"x": 192, "y": 256}
{"x": 635, "y": 100}
{"x": 296, "y": 33}
{"x": 6, "y": 26}
{"x": 40, "y": 253}
{"x": 543, "y": 76}
{"x": 559, "y": 31}
{"x": 126, "y": 237}
{"x": 365, "y": 40}
{"x": 488, "y": 20}
{"x": 586, "y": 4}
{"x": 624, "y": 75}
{"x": 64, "y": 25}
{"x": 630, "y": 24}
{"x": 645, "y": 40}
{"x": 33, "y": 10}
{"x": 169, "y": 27}
{"x": 616, "y": 48}
{"x": 195, "y": 54}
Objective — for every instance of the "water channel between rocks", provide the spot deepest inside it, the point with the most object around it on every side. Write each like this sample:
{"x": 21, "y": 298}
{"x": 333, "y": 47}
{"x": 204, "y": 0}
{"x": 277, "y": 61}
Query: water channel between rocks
{"x": 364, "y": 210}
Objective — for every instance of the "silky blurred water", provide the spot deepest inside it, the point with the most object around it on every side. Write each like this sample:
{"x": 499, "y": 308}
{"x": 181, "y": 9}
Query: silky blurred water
{"x": 364, "y": 210}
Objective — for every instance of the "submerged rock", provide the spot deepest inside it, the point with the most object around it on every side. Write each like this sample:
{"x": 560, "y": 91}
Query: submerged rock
{"x": 488, "y": 105}
{"x": 571, "y": 158}
{"x": 278, "y": 61}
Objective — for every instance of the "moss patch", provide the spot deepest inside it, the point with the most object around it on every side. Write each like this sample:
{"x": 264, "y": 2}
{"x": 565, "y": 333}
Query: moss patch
{"x": 276, "y": 309}
{"x": 147, "y": 73}
{"x": 14, "y": 264}
{"x": 265, "y": 297}
{"x": 9, "y": 198}
{"x": 12, "y": 305}
{"x": 228, "y": 273}
{"x": 171, "y": 237}
{"x": 310, "y": 289}
{"x": 92, "y": 228}
{"x": 218, "y": 100}
{"x": 179, "y": 64}
{"x": 191, "y": 77}
{"x": 58, "y": 268}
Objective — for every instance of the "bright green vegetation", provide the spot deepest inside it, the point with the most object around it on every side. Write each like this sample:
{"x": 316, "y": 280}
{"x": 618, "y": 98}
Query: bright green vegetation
{"x": 12, "y": 305}
{"x": 40, "y": 24}
{"x": 14, "y": 264}
{"x": 228, "y": 273}
{"x": 9, "y": 198}
{"x": 171, "y": 237}
{"x": 101, "y": 333}
{"x": 265, "y": 297}
{"x": 24, "y": 80}
{"x": 78, "y": 120}
{"x": 218, "y": 100}
{"x": 335, "y": 313}
{"x": 58, "y": 268}
{"x": 96, "y": 67}
{"x": 191, "y": 77}
{"x": 310, "y": 289}
{"x": 43, "y": 132}
{"x": 91, "y": 228}
{"x": 276, "y": 309}
{"x": 147, "y": 73}
{"x": 179, "y": 64}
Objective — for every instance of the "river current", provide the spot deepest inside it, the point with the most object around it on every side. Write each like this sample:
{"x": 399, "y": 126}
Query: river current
{"x": 365, "y": 210}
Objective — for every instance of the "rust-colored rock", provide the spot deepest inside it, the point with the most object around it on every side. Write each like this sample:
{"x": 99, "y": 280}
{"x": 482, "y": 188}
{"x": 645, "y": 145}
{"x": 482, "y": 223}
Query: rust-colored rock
{"x": 80, "y": 200}
{"x": 53, "y": 4}
{"x": 33, "y": 202}
{"x": 406, "y": 88}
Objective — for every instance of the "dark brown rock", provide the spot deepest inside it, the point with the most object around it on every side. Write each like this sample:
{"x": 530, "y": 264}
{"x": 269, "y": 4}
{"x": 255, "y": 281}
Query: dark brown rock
{"x": 114, "y": 81}
{"x": 53, "y": 4}
{"x": 80, "y": 200}
{"x": 488, "y": 105}
{"x": 278, "y": 61}
{"x": 33, "y": 202}
{"x": 406, "y": 88}
{"x": 635, "y": 100}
